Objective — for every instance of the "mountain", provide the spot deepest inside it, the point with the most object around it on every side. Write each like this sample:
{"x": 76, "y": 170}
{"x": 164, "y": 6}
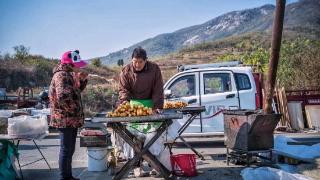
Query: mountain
{"x": 302, "y": 16}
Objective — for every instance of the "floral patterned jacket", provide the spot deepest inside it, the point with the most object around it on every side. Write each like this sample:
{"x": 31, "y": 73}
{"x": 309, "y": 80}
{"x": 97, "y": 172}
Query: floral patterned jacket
{"x": 65, "y": 98}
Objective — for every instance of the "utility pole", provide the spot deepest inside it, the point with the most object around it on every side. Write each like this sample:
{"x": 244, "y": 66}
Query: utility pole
{"x": 274, "y": 57}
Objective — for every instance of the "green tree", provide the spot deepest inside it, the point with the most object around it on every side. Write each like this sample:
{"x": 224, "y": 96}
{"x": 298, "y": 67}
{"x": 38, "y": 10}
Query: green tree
{"x": 257, "y": 58}
{"x": 298, "y": 64}
{"x": 21, "y": 52}
{"x": 96, "y": 62}
{"x": 120, "y": 62}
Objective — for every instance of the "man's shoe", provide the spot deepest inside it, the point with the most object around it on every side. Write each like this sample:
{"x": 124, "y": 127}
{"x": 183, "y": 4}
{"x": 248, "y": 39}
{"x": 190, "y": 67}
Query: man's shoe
{"x": 138, "y": 172}
{"x": 154, "y": 173}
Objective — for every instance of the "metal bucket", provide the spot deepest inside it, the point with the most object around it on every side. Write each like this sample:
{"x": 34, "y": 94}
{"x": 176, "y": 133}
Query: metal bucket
{"x": 249, "y": 130}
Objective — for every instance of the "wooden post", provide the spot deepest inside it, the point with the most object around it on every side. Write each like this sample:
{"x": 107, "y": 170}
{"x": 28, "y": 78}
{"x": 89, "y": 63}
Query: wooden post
{"x": 274, "y": 57}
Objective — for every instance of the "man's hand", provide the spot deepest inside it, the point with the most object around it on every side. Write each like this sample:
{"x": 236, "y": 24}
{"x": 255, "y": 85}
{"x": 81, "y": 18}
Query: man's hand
{"x": 157, "y": 111}
{"x": 118, "y": 103}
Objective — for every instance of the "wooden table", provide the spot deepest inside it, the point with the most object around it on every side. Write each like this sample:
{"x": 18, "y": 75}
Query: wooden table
{"x": 117, "y": 124}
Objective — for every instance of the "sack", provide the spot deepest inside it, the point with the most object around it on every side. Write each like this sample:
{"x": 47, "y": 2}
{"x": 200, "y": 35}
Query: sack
{"x": 164, "y": 158}
{"x": 7, "y": 156}
{"x": 157, "y": 147}
{"x": 173, "y": 129}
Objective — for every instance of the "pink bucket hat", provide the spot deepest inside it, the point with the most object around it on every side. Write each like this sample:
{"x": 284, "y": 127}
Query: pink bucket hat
{"x": 73, "y": 57}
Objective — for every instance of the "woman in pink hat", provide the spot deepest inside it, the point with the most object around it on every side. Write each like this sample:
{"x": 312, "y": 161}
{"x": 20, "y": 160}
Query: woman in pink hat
{"x": 66, "y": 106}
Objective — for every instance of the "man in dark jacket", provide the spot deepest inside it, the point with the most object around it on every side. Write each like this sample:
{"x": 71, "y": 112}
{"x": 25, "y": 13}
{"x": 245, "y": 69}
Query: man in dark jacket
{"x": 141, "y": 79}
{"x": 66, "y": 107}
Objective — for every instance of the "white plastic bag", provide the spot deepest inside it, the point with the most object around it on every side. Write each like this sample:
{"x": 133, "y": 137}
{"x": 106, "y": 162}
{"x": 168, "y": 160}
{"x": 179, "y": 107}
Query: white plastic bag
{"x": 173, "y": 129}
{"x": 28, "y": 127}
{"x": 6, "y": 113}
{"x": 164, "y": 158}
{"x": 171, "y": 134}
{"x": 263, "y": 173}
{"x": 157, "y": 146}
{"x": 37, "y": 112}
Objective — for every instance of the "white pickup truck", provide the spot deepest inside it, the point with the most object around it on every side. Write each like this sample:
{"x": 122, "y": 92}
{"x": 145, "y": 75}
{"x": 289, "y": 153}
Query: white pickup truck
{"x": 217, "y": 87}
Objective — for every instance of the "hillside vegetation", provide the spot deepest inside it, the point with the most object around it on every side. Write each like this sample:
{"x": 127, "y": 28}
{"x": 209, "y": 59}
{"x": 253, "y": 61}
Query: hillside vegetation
{"x": 298, "y": 65}
{"x": 22, "y": 69}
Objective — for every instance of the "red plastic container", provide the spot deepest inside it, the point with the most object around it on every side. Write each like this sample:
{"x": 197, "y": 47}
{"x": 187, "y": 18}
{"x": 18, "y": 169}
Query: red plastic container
{"x": 184, "y": 165}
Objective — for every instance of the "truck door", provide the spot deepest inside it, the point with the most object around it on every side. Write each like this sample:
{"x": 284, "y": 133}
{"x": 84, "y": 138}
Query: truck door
{"x": 186, "y": 87}
{"x": 218, "y": 92}
{"x": 247, "y": 90}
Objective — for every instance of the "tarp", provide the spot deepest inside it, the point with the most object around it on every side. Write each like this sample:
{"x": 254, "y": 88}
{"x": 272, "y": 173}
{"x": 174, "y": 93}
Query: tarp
{"x": 7, "y": 155}
{"x": 264, "y": 173}
{"x": 300, "y": 152}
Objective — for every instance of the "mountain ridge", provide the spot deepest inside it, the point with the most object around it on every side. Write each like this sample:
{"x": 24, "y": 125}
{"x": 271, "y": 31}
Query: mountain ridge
{"x": 299, "y": 16}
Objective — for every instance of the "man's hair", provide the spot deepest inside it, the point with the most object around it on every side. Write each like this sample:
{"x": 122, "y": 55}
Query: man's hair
{"x": 139, "y": 52}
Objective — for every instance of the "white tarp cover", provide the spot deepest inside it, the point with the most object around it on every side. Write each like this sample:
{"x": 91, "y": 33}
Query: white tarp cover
{"x": 264, "y": 173}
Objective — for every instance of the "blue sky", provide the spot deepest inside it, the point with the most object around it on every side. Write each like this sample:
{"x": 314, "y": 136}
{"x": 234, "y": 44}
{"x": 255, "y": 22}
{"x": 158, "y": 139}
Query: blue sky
{"x": 98, "y": 27}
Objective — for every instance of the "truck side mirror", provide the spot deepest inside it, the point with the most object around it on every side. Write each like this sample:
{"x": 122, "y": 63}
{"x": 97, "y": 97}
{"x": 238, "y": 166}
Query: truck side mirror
{"x": 167, "y": 93}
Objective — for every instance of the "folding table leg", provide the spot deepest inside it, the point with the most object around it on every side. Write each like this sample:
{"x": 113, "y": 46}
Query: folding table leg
{"x": 150, "y": 158}
{"x": 187, "y": 123}
{"x": 41, "y": 154}
{"x": 19, "y": 161}
{"x": 183, "y": 128}
{"x": 124, "y": 170}
{"x": 228, "y": 157}
{"x": 144, "y": 153}
{"x": 189, "y": 146}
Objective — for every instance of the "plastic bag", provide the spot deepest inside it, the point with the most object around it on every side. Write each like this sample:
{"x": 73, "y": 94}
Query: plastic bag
{"x": 263, "y": 173}
{"x": 35, "y": 112}
{"x": 28, "y": 127}
{"x": 157, "y": 147}
{"x": 301, "y": 152}
{"x": 172, "y": 132}
{"x": 164, "y": 158}
{"x": 122, "y": 146}
{"x": 6, "y": 113}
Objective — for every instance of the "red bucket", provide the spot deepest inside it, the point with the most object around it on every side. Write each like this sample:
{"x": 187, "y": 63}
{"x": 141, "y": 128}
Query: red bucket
{"x": 184, "y": 164}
